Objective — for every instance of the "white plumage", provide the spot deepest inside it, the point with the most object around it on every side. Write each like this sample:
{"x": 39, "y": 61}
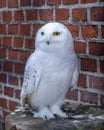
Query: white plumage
{"x": 50, "y": 71}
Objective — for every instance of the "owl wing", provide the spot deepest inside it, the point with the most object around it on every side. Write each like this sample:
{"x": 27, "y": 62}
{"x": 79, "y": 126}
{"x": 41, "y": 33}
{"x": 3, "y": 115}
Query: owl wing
{"x": 31, "y": 80}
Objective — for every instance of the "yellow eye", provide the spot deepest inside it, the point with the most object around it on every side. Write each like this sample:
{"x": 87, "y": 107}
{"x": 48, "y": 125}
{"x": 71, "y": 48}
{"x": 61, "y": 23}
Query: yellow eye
{"x": 56, "y": 33}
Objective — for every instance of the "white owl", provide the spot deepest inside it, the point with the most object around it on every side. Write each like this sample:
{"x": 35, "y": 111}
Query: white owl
{"x": 50, "y": 71}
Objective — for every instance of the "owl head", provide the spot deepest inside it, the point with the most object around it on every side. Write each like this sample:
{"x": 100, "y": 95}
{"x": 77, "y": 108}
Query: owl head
{"x": 54, "y": 37}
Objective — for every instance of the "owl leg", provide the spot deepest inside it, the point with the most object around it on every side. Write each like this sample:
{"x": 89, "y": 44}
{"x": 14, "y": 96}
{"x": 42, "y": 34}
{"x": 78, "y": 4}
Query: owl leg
{"x": 57, "y": 111}
{"x": 44, "y": 113}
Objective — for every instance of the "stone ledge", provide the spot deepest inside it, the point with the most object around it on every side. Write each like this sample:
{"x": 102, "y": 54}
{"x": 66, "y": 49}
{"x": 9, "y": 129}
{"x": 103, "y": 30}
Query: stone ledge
{"x": 92, "y": 119}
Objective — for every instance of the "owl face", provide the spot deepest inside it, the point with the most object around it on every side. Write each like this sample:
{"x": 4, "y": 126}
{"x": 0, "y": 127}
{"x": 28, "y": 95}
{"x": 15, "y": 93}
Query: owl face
{"x": 53, "y": 36}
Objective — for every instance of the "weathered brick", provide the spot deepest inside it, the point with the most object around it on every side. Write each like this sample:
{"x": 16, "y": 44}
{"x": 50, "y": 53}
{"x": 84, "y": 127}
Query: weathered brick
{"x": 73, "y": 29}
{"x": 69, "y": 2}
{"x": 1, "y": 89}
{"x": 30, "y": 44}
{"x": 79, "y": 14}
{"x": 7, "y": 41}
{"x": 80, "y": 47}
{"x": 2, "y": 28}
{"x": 13, "y": 80}
{"x": 8, "y": 91}
{"x": 24, "y": 55}
{"x": 88, "y": 65}
{"x": 12, "y": 3}
{"x": 7, "y": 16}
{"x": 46, "y": 14}
{"x": 38, "y": 2}
{"x": 102, "y": 66}
{"x": 97, "y": 13}
{"x": 12, "y": 105}
{"x": 96, "y": 48}
{"x": 31, "y": 14}
{"x": 3, "y": 103}
{"x": 2, "y": 53}
{"x": 89, "y": 31}
{"x": 13, "y": 54}
{"x": 18, "y": 15}
{"x": 87, "y": 97}
{"x": 25, "y": 2}
{"x": 2, "y": 77}
{"x": 62, "y": 14}
{"x": 36, "y": 27}
{"x": 17, "y": 94}
{"x": 72, "y": 95}
{"x": 8, "y": 66}
{"x": 82, "y": 80}
{"x": 25, "y": 29}
{"x": 54, "y": 2}
{"x": 102, "y": 31}
{"x": 2, "y": 3}
{"x": 96, "y": 82}
{"x": 18, "y": 42}
{"x": 19, "y": 68}
{"x": 102, "y": 100}
{"x": 13, "y": 28}
{"x": 88, "y": 1}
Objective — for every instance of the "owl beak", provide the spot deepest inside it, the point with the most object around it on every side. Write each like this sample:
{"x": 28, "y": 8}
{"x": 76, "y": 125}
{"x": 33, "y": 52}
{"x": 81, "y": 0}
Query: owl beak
{"x": 48, "y": 42}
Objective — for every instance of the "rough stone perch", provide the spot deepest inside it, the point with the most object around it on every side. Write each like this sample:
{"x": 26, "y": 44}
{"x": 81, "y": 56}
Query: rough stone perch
{"x": 81, "y": 118}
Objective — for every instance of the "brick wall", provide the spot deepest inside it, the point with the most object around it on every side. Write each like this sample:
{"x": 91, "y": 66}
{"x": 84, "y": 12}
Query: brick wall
{"x": 19, "y": 22}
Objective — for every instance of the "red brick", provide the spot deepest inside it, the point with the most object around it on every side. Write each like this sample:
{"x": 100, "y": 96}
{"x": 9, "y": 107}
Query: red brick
{"x": 72, "y": 95}
{"x": 8, "y": 66}
{"x": 102, "y": 100}
{"x": 12, "y": 3}
{"x": 7, "y": 15}
{"x": 7, "y": 41}
{"x": 97, "y": 82}
{"x": 54, "y": 2}
{"x": 17, "y": 94}
{"x": 13, "y": 80}
{"x": 46, "y": 14}
{"x": 18, "y": 15}
{"x": 82, "y": 80}
{"x": 8, "y": 91}
{"x": 2, "y": 28}
{"x": 3, "y": 103}
{"x": 36, "y": 28}
{"x": 73, "y": 29}
{"x": 25, "y": 2}
{"x": 30, "y": 44}
{"x": 87, "y": 97}
{"x": 12, "y": 105}
{"x": 2, "y": 3}
{"x": 19, "y": 68}
{"x": 31, "y": 14}
{"x": 69, "y": 2}
{"x": 102, "y": 66}
{"x": 97, "y": 13}
{"x": 24, "y": 55}
{"x": 2, "y": 77}
{"x": 89, "y": 31}
{"x": 80, "y": 47}
{"x": 13, "y": 28}
{"x": 2, "y": 53}
{"x": 25, "y": 29}
{"x": 18, "y": 42}
{"x": 102, "y": 31}
{"x": 96, "y": 48}
{"x": 88, "y": 65}
{"x": 79, "y": 14}
{"x": 38, "y": 2}
{"x": 13, "y": 54}
{"x": 88, "y": 1}
{"x": 62, "y": 14}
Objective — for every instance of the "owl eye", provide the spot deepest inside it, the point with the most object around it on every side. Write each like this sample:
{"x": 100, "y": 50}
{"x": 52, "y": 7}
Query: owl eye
{"x": 42, "y": 33}
{"x": 56, "y": 33}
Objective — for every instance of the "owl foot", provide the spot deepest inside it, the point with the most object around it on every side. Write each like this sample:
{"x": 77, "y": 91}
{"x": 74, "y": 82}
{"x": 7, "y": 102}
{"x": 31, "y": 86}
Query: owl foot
{"x": 57, "y": 111}
{"x": 44, "y": 113}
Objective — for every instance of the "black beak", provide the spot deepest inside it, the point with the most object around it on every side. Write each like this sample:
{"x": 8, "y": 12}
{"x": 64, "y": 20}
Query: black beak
{"x": 48, "y": 42}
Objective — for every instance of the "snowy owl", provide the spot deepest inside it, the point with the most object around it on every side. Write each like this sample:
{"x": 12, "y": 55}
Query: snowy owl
{"x": 50, "y": 71}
